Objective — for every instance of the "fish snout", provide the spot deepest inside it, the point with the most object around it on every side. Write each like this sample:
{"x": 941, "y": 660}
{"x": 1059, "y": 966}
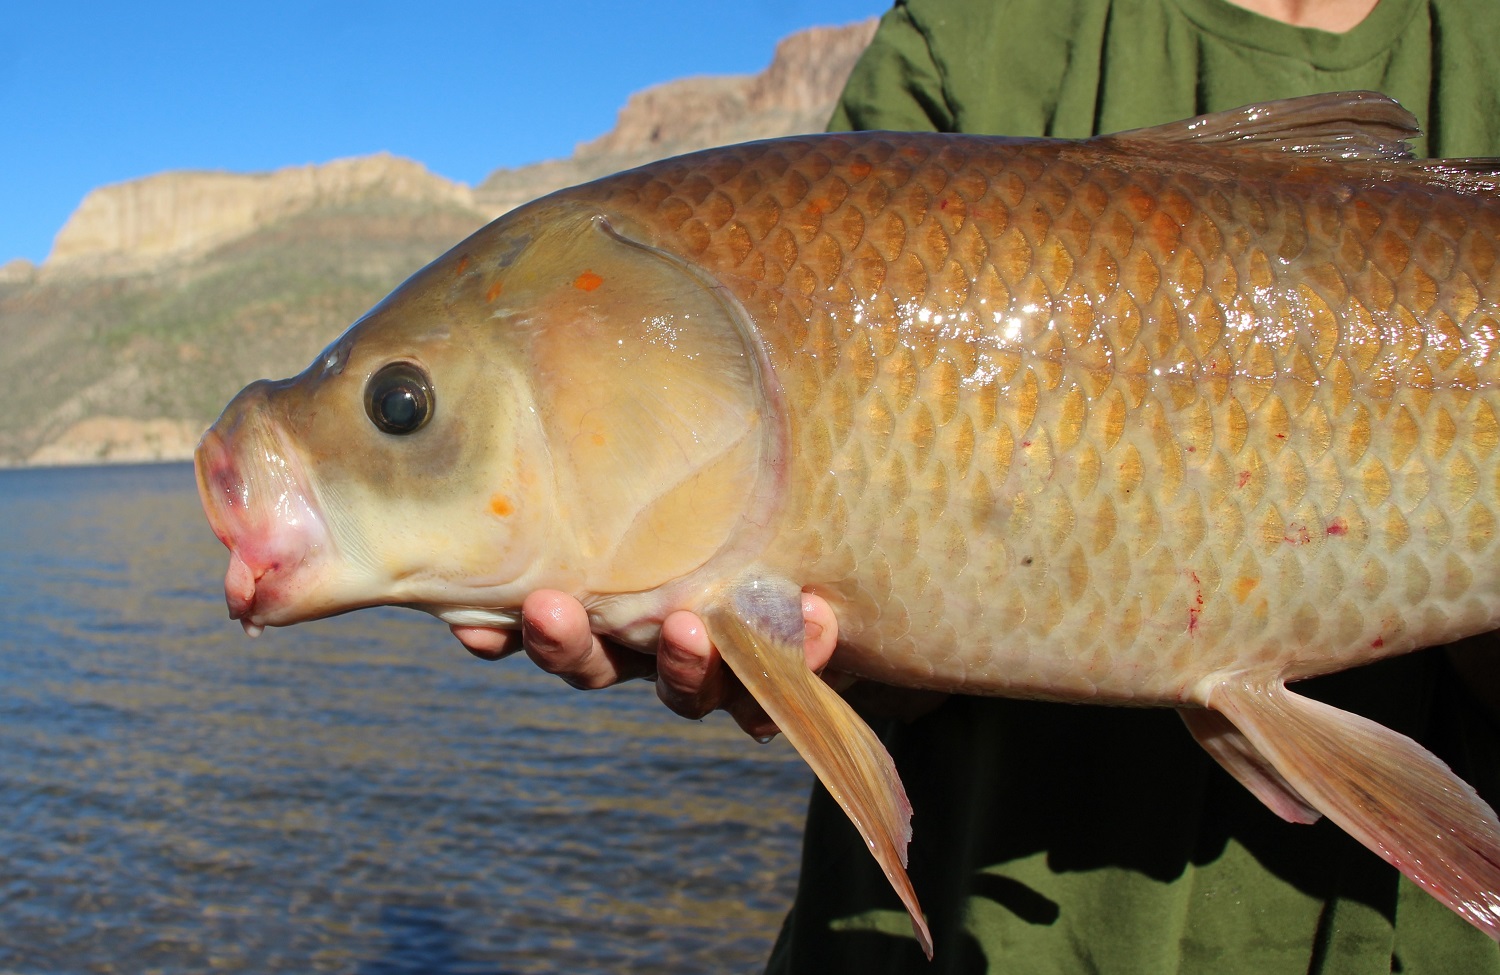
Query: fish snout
{"x": 260, "y": 504}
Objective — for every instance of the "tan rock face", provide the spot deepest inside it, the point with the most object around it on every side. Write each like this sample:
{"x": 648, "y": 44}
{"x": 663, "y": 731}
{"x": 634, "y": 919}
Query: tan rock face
{"x": 145, "y": 223}
{"x": 119, "y": 440}
{"x": 796, "y": 93}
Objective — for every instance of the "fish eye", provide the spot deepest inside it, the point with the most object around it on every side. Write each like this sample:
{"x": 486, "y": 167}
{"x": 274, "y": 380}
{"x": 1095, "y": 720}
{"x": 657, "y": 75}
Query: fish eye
{"x": 398, "y": 398}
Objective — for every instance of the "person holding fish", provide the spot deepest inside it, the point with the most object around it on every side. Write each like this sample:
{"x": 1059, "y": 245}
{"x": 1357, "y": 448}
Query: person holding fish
{"x": 1052, "y": 838}
{"x": 1170, "y": 418}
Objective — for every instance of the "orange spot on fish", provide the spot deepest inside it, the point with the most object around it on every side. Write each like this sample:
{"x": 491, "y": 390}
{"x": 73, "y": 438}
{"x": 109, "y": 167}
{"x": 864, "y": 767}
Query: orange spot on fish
{"x": 1243, "y": 587}
{"x": 817, "y": 206}
{"x": 859, "y": 169}
{"x": 463, "y": 265}
{"x": 588, "y": 281}
{"x": 494, "y": 291}
{"x": 501, "y": 505}
{"x": 1338, "y": 527}
{"x": 1243, "y": 479}
{"x": 597, "y": 440}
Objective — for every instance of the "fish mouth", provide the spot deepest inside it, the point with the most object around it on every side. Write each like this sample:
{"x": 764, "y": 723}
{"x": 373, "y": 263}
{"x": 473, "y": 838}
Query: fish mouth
{"x": 260, "y": 504}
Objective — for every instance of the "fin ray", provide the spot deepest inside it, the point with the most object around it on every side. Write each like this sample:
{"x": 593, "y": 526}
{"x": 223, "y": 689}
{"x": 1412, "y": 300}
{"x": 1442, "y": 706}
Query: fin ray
{"x": 1231, "y": 749}
{"x": 1382, "y": 788}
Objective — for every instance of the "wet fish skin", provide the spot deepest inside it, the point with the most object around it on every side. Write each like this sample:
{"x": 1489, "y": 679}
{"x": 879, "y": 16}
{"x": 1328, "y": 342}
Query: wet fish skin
{"x": 1247, "y": 420}
{"x": 1168, "y": 418}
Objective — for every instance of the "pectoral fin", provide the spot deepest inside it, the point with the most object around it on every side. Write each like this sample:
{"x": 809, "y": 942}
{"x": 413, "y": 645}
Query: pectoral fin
{"x": 1382, "y": 788}
{"x": 757, "y": 627}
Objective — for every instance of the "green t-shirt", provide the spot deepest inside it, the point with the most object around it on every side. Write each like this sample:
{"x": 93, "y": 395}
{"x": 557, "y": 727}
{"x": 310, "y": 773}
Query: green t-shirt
{"x": 1074, "y": 68}
{"x": 1052, "y": 839}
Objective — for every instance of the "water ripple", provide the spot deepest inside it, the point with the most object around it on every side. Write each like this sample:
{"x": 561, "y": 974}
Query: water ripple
{"x": 353, "y": 795}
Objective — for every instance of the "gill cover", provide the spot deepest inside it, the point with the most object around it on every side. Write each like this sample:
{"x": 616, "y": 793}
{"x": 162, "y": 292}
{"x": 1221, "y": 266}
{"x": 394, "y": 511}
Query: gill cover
{"x": 651, "y": 393}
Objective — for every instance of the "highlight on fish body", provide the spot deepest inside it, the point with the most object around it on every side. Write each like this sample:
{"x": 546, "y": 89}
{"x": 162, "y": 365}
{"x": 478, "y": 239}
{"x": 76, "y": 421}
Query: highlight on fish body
{"x": 1171, "y": 417}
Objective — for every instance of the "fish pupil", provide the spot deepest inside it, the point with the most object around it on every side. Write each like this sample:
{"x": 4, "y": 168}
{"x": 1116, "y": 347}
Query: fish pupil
{"x": 399, "y": 398}
{"x": 399, "y": 408}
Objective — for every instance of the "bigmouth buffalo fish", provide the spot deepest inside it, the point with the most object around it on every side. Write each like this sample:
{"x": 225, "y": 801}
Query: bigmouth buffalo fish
{"x": 1171, "y": 417}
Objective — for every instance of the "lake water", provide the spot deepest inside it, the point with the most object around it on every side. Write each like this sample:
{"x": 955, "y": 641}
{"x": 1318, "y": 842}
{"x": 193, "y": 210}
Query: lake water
{"x": 353, "y": 795}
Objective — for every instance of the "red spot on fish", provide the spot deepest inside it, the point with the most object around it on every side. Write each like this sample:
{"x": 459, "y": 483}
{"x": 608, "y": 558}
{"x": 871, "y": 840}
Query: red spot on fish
{"x": 588, "y": 281}
{"x": 1299, "y": 535}
{"x": 494, "y": 291}
{"x": 1192, "y": 450}
{"x": 501, "y": 505}
{"x": 943, "y": 203}
{"x": 859, "y": 169}
{"x": 1338, "y": 527}
{"x": 463, "y": 265}
{"x": 1243, "y": 479}
{"x": 1377, "y": 643}
{"x": 1281, "y": 436}
{"x": 1025, "y": 443}
{"x": 1195, "y": 609}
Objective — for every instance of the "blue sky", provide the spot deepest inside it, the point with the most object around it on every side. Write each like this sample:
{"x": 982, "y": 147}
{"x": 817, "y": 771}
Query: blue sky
{"x": 94, "y": 93}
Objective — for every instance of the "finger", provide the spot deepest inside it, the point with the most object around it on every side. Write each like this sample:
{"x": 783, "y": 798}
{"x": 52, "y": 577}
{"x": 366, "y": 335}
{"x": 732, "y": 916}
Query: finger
{"x": 487, "y": 643}
{"x": 749, "y": 715}
{"x": 556, "y": 635}
{"x": 822, "y": 631}
{"x": 690, "y": 675}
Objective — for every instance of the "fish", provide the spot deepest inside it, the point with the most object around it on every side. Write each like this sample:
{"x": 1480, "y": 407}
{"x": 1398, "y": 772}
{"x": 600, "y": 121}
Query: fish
{"x": 1171, "y": 417}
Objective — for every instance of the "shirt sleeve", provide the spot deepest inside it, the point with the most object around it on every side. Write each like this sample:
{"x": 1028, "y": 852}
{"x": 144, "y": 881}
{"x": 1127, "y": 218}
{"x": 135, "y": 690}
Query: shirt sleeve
{"x": 895, "y": 85}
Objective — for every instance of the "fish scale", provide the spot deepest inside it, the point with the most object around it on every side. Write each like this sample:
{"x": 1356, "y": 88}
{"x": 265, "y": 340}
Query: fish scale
{"x": 1243, "y": 418}
{"x": 1169, "y": 417}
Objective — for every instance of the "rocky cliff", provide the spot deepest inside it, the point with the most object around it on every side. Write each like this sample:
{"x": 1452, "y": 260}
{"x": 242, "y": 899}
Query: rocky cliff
{"x": 145, "y": 224}
{"x": 163, "y": 296}
{"x": 794, "y": 94}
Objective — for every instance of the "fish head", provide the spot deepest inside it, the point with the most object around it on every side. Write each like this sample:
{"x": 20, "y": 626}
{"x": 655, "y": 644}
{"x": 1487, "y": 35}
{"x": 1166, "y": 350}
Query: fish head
{"x": 550, "y": 404}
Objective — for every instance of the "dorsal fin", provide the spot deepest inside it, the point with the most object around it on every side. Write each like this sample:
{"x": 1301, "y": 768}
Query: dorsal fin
{"x": 1477, "y": 175}
{"x": 1340, "y": 126}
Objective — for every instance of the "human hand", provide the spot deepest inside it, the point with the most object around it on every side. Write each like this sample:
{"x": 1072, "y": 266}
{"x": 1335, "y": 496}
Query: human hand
{"x": 691, "y": 678}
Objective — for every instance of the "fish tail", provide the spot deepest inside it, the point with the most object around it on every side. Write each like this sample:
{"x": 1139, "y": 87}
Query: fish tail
{"x": 1382, "y": 788}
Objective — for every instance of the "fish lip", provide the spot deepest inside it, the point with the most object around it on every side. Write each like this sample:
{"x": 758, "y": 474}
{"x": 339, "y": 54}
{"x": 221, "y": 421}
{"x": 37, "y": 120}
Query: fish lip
{"x": 266, "y": 518}
{"x": 211, "y": 462}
